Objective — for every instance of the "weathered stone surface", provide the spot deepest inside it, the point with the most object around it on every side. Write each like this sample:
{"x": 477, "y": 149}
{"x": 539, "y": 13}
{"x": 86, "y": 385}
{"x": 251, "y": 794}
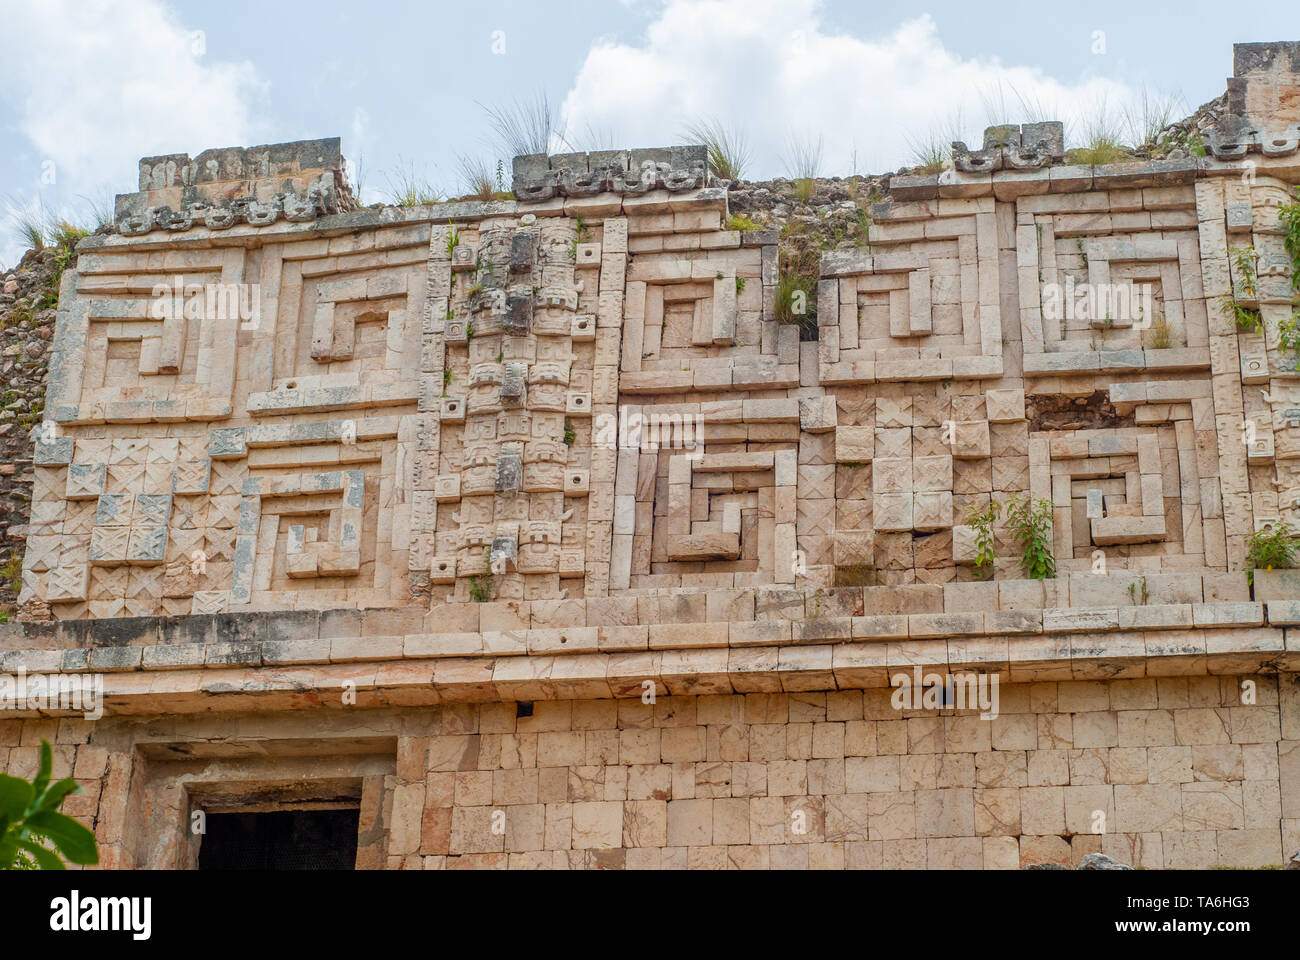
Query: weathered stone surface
{"x": 607, "y": 538}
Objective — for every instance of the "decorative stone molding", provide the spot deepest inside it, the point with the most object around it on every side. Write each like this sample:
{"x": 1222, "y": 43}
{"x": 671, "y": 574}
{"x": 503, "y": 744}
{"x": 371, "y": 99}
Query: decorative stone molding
{"x": 676, "y": 169}
{"x": 218, "y": 189}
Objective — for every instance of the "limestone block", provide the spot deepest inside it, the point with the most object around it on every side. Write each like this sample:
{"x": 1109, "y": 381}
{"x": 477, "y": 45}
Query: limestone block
{"x": 453, "y": 409}
{"x": 85, "y": 481}
{"x": 932, "y": 510}
{"x": 577, "y": 483}
{"x": 147, "y": 546}
{"x": 1005, "y": 406}
{"x": 853, "y": 547}
{"x": 152, "y": 509}
{"x": 891, "y": 475}
{"x": 963, "y": 544}
{"x": 578, "y": 405}
{"x": 192, "y": 476}
{"x": 443, "y": 570}
{"x": 210, "y": 601}
{"x": 52, "y": 451}
{"x": 724, "y": 311}
{"x": 818, "y": 415}
{"x": 108, "y": 545}
{"x": 971, "y": 440}
{"x": 464, "y": 256}
{"x": 892, "y": 512}
{"x": 1118, "y": 529}
{"x": 114, "y": 509}
{"x": 67, "y": 583}
{"x": 932, "y": 474}
{"x": 918, "y": 301}
{"x": 227, "y": 443}
{"x": 446, "y": 488}
{"x": 854, "y": 444}
{"x": 301, "y": 565}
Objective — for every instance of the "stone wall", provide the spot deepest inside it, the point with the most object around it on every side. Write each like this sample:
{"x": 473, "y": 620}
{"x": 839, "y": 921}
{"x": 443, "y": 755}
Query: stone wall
{"x": 27, "y": 312}
{"x": 1160, "y": 773}
{"x": 451, "y": 463}
{"x": 270, "y": 402}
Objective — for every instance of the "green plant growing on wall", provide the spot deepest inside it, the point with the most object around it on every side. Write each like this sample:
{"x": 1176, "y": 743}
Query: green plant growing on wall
{"x": 1288, "y": 330}
{"x": 570, "y": 435}
{"x": 1274, "y": 547}
{"x": 798, "y": 268}
{"x": 1138, "y": 592}
{"x": 796, "y": 299}
{"x": 803, "y": 161}
{"x": 726, "y": 147}
{"x": 1288, "y": 216}
{"x": 861, "y": 232}
{"x": 480, "y": 586}
{"x": 1030, "y": 521}
{"x": 19, "y": 315}
{"x": 1246, "y": 319}
{"x": 740, "y": 285}
{"x": 64, "y": 238}
{"x": 580, "y": 236}
{"x": 1246, "y": 261}
{"x": 30, "y": 822}
{"x": 982, "y": 521}
{"x": 1099, "y": 150}
{"x": 1288, "y": 337}
{"x": 13, "y": 572}
{"x": 738, "y": 221}
{"x": 453, "y": 238}
{"x": 1162, "y": 335}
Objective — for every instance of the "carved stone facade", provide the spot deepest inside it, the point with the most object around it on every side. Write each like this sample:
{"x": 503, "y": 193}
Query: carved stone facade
{"x": 560, "y": 449}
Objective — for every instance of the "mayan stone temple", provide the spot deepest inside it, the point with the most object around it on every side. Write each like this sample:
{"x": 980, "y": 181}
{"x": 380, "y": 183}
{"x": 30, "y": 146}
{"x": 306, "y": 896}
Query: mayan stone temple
{"x": 528, "y": 534}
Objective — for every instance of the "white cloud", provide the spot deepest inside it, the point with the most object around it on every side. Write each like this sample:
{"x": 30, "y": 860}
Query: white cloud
{"x": 773, "y": 68}
{"x": 94, "y": 85}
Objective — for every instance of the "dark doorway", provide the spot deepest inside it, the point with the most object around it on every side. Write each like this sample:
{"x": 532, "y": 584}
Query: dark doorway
{"x": 280, "y": 840}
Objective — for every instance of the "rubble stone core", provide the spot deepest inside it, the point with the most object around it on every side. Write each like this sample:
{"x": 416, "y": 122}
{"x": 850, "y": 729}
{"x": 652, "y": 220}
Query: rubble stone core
{"x": 527, "y": 527}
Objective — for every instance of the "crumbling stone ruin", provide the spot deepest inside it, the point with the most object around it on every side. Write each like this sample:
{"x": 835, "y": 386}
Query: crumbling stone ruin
{"x": 530, "y": 531}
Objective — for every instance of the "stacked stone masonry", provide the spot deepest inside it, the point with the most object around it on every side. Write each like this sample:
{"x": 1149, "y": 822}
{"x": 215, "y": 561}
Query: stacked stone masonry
{"x": 533, "y": 508}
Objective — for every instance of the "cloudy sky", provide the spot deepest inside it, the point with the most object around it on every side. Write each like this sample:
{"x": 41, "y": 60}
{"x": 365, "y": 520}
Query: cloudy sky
{"x": 87, "y": 87}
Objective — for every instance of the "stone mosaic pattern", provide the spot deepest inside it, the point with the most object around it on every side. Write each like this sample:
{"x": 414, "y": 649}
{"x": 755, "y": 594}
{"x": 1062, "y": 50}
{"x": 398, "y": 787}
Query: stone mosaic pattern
{"x": 603, "y": 551}
{"x": 482, "y": 368}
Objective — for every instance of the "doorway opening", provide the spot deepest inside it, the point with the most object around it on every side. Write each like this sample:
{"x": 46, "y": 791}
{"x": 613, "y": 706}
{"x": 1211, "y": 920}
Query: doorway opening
{"x": 281, "y": 840}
